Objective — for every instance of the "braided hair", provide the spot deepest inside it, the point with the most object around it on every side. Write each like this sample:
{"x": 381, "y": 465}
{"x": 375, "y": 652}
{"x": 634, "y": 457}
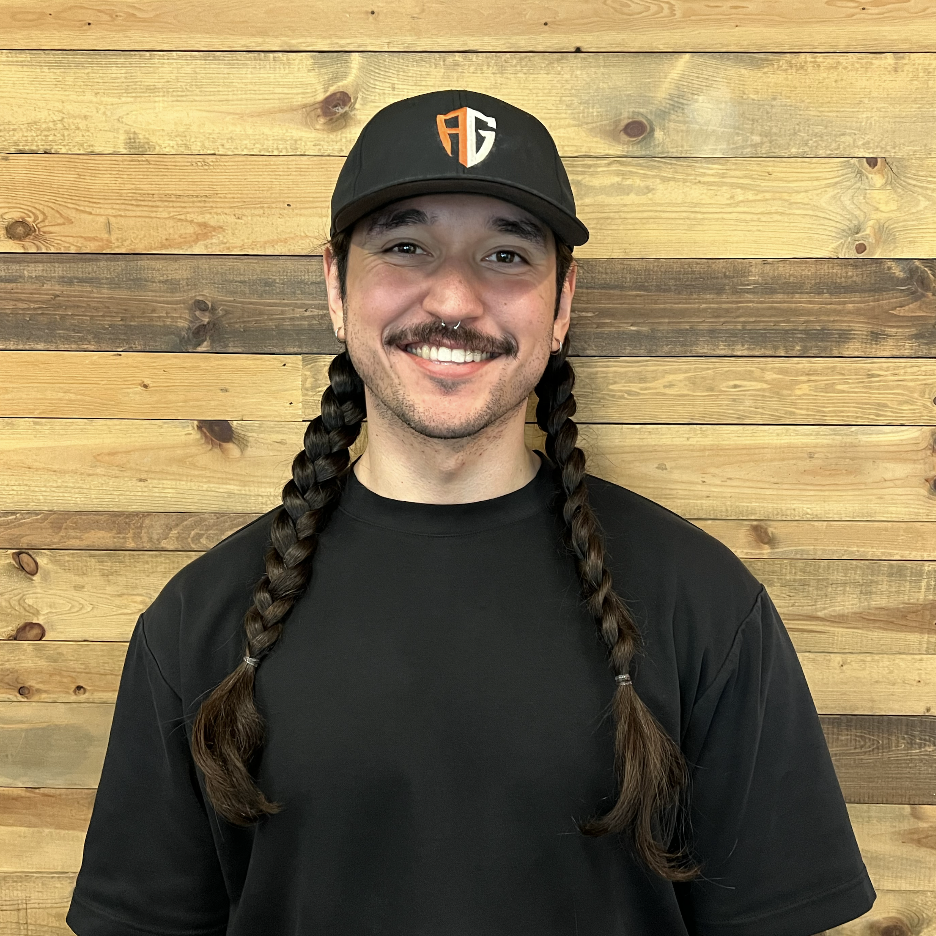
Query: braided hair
{"x": 228, "y": 731}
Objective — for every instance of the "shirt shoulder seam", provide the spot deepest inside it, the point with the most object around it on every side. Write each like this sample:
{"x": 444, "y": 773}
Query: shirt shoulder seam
{"x": 155, "y": 660}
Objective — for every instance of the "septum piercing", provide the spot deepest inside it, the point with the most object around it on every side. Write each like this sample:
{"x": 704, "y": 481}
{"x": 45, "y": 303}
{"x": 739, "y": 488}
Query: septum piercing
{"x": 453, "y": 327}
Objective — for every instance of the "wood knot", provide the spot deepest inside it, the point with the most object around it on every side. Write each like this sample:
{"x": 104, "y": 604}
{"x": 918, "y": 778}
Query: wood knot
{"x": 860, "y": 247}
{"x": 331, "y": 113}
{"x": 30, "y": 630}
{"x": 219, "y": 430}
{"x": 871, "y": 161}
{"x": 24, "y": 691}
{"x": 890, "y": 927}
{"x": 201, "y": 305}
{"x": 79, "y": 690}
{"x": 26, "y": 562}
{"x": 635, "y": 129}
{"x": 762, "y": 533}
{"x": 19, "y": 230}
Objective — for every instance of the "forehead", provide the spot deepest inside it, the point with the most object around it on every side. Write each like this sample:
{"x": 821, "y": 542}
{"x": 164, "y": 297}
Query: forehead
{"x": 455, "y": 209}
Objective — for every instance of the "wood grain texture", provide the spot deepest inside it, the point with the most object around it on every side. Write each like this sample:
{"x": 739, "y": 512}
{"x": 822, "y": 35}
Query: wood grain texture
{"x": 43, "y": 830}
{"x": 884, "y": 758}
{"x": 660, "y": 207}
{"x": 871, "y": 684}
{"x": 591, "y": 25}
{"x": 718, "y": 472}
{"x": 261, "y": 305}
{"x": 58, "y": 671}
{"x": 898, "y": 844}
{"x": 853, "y": 607}
{"x": 79, "y": 595}
{"x": 641, "y": 104}
{"x": 864, "y": 391}
{"x": 895, "y": 913}
{"x": 35, "y": 904}
{"x": 828, "y": 606}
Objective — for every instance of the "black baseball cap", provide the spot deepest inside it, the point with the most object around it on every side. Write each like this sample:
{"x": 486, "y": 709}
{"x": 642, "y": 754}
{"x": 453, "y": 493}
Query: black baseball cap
{"x": 456, "y": 141}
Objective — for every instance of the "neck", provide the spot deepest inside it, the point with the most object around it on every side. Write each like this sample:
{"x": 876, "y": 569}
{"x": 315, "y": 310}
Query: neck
{"x": 401, "y": 464}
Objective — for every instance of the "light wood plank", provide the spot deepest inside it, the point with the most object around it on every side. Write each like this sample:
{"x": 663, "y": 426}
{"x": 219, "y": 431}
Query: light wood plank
{"x": 591, "y": 25}
{"x": 660, "y": 308}
{"x": 865, "y": 391}
{"x": 853, "y": 607}
{"x": 828, "y": 606}
{"x": 151, "y": 386}
{"x": 898, "y": 844}
{"x": 83, "y": 595}
{"x": 43, "y": 830}
{"x": 780, "y": 539}
{"x": 870, "y": 683}
{"x": 56, "y": 744}
{"x": 58, "y": 671}
{"x": 35, "y": 904}
{"x": 798, "y": 472}
{"x": 895, "y": 913}
{"x": 293, "y": 103}
{"x": 719, "y": 472}
{"x": 661, "y": 207}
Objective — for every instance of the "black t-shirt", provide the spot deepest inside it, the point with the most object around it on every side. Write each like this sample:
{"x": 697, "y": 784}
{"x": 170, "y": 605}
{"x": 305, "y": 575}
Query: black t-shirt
{"x": 437, "y": 720}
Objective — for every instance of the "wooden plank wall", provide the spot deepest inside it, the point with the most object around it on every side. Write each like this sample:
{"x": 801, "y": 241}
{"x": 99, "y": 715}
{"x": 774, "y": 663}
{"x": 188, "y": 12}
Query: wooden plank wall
{"x": 754, "y": 334}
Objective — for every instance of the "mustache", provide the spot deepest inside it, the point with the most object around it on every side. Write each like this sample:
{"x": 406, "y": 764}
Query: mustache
{"x": 467, "y": 337}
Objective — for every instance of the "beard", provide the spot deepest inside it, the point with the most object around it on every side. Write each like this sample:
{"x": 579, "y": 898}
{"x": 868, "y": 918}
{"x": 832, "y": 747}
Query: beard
{"x": 392, "y": 396}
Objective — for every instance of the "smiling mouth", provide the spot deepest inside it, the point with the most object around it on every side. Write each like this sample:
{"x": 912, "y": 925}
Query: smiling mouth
{"x": 447, "y": 355}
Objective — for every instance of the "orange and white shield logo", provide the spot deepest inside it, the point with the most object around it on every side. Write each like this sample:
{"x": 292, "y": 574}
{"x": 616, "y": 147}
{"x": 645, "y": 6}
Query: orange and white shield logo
{"x": 467, "y": 130}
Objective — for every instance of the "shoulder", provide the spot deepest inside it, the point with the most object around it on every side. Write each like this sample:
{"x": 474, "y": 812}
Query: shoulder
{"x": 689, "y": 593}
{"x": 203, "y": 604}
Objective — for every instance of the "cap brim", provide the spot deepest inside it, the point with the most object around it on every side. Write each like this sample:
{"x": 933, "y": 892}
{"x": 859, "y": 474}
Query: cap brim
{"x": 566, "y": 227}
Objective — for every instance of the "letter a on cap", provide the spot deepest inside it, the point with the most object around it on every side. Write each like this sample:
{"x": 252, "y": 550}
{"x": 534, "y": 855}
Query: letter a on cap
{"x": 465, "y": 127}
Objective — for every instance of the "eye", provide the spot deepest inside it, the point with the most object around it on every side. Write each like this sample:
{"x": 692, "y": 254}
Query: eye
{"x": 404, "y": 247}
{"x": 506, "y": 256}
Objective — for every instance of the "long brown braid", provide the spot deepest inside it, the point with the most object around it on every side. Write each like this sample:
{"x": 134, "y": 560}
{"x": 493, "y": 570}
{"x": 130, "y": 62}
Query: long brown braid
{"x": 228, "y": 730}
{"x": 649, "y": 765}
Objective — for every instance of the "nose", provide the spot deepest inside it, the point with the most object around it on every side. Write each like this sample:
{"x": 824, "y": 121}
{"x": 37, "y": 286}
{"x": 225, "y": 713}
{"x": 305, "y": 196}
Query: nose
{"x": 453, "y": 294}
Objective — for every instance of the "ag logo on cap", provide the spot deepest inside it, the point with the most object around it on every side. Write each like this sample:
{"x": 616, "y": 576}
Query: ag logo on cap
{"x": 465, "y": 128}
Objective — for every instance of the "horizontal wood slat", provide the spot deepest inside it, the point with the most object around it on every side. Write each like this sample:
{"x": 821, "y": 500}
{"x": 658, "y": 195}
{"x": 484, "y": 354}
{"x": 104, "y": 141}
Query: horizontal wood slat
{"x": 70, "y": 384}
{"x": 34, "y": 903}
{"x": 62, "y": 744}
{"x": 719, "y": 472}
{"x": 781, "y": 539}
{"x": 802, "y": 308}
{"x": 43, "y": 829}
{"x": 660, "y": 207}
{"x": 58, "y": 671}
{"x": 641, "y": 104}
{"x": 828, "y": 606}
{"x": 436, "y": 25}
{"x": 884, "y": 758}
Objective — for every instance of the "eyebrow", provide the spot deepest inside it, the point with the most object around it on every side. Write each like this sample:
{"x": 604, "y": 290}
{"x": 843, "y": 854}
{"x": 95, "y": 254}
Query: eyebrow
{"x": 526, "y": 230}
{"x": 390, "y": 220}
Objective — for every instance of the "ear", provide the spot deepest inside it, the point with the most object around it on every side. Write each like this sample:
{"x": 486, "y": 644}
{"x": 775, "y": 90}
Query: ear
{"x": 333, "y": 289}
{"x": 564, "y": 315}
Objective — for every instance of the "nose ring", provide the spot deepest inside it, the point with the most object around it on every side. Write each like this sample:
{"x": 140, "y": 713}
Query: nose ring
{"x": 454, "y": 327}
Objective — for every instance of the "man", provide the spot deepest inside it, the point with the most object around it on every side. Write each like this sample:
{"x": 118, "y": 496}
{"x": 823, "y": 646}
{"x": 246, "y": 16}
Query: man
{"x": 457, "y": 705}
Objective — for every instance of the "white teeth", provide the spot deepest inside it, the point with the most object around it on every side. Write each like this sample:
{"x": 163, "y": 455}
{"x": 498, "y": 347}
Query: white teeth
{"x": 452, "y": 355}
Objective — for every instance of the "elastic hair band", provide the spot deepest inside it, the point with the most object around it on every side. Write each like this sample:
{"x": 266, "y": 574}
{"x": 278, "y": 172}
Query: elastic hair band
{"x": 623, "y": 679}
{"x": 252, "y": 661}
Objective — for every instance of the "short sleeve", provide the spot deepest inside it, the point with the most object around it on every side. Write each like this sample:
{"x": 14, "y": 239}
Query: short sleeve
{"x": 768, "y": 819}
{"x": 150, "y": 864}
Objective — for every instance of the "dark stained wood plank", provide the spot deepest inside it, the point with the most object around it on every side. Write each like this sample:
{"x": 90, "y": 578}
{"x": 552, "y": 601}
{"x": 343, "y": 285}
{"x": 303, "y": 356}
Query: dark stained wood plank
{"x": 884, "y": 758}
{"x": 665, "y": 307}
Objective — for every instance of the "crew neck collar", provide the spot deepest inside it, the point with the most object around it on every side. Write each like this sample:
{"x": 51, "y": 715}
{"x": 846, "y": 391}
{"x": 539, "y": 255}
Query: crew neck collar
{"x": 449, "y": 519}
